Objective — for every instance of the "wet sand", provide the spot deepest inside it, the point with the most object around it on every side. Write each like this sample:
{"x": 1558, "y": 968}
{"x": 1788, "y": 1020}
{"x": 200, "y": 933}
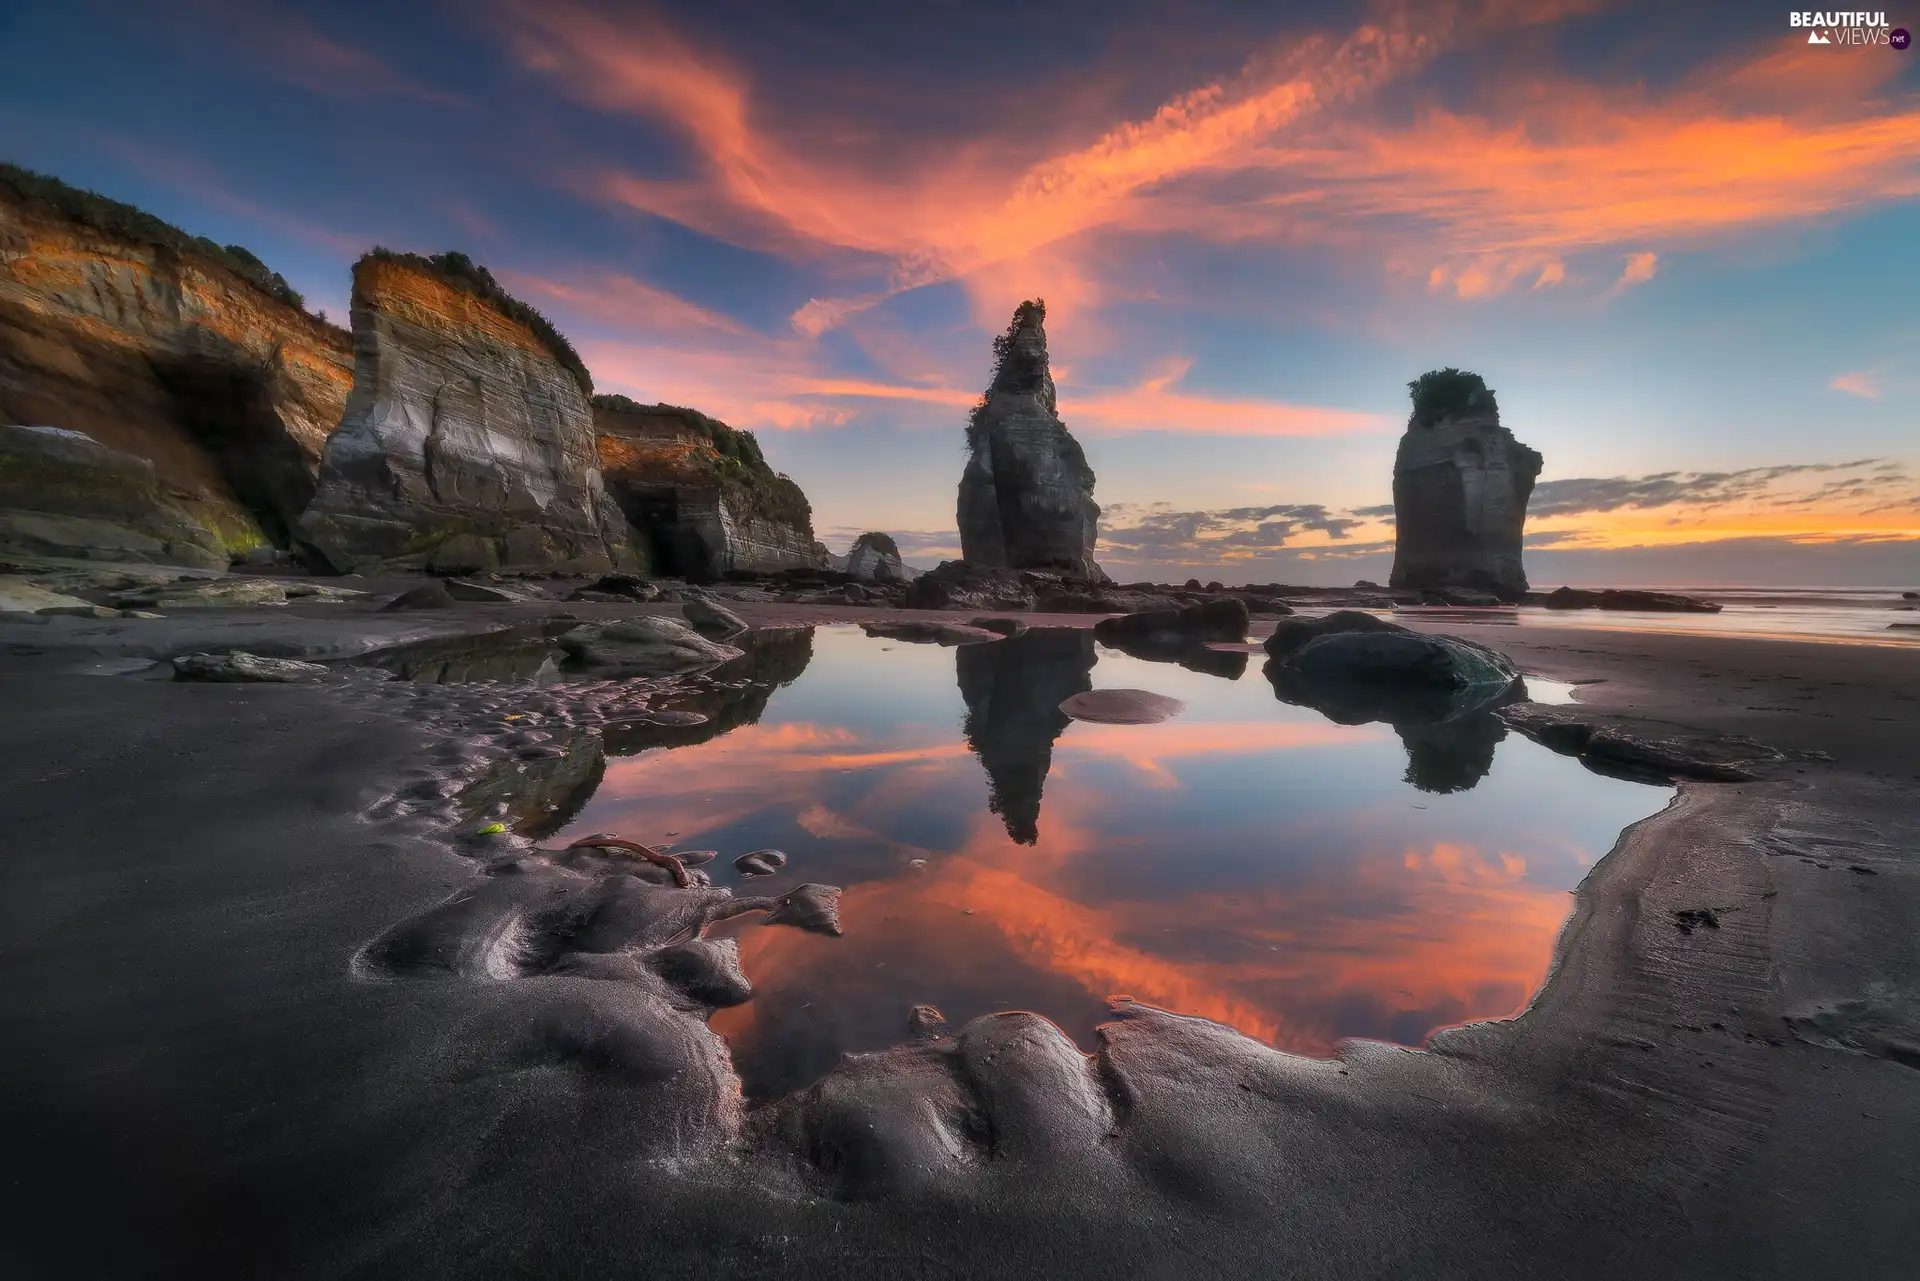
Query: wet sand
{"x": 198, "y": 1083}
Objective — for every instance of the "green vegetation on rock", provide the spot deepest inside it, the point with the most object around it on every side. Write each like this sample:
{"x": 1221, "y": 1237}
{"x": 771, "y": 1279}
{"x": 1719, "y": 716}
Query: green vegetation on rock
{"x": 1447, "y": 393}
{"x": 458, "y": 271}
{"x": 91, "y": 209}
{"x": 882, "y": 543}
{"x": 1031, "y": 312}
{"x": 750, "y": 484}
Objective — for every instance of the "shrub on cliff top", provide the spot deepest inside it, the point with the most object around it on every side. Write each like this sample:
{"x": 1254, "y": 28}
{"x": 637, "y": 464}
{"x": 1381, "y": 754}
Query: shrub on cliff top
{"x": 882, "y": 543}
{"x": 1031, "y": 312}
{"x": 91, "y": 209}
{"x": 455, "y": 269}
{"x": 742, "y": 469}
{"x": 1444, "y": 393}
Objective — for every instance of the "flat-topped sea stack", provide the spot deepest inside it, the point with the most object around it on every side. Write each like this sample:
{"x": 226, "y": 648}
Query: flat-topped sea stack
{"x": 1026, "y": 496}
{"x": 164, "y": 347}
{"x": 468, "y": 442}
{"x": 701, "y": 495}
{"x": 1460, "y": 489}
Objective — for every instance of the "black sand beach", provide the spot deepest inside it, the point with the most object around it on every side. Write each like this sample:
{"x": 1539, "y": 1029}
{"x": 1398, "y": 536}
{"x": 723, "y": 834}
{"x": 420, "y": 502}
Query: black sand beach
{"x": 201, "y": 1080}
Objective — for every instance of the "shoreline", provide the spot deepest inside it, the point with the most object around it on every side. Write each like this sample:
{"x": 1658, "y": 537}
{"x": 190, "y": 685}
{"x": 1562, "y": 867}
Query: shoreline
{"x": 194, "y": 873}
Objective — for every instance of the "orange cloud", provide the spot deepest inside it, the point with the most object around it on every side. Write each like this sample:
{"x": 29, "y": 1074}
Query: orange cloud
{"x": 1862, "y": 383}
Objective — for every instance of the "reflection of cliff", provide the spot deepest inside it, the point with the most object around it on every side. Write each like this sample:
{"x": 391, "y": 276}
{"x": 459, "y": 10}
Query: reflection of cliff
{"x": 773, "y": 657}
{"x": 1450, "y": 734}
{"x": 1013, "y": 690}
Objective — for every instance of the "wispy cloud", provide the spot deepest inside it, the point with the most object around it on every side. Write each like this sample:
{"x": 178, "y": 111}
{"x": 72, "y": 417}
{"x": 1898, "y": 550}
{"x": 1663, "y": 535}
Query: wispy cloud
{"x": 1861, "y": 382}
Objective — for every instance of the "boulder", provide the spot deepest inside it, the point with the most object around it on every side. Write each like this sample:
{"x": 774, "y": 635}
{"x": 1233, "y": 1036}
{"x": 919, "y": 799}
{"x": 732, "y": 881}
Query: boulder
{"x": 760, "y": 863}
{"x": 956, "y": 584}
{"x": 64, "y": 494}
{"x": 1354, "y": 649}
{"x": 876, "y": 557}
{"x": 1026, "y": 495}
{"x": 219, "y": 593}
{"x": 1123, "y": 706}
{"x": 716, "y": 622}
{"x": 1460, "y": 597}
{"x": 467, "y": 441}
{"x": 1225, "y": 618}
{"x": 434, "y": 595}
{"x": 240, "y": 667}
{"x": 1292, "y": 633}
{"x": 20, "y": 595}
{"x": 644, "y": 647}
{"x": 1460, "y": 488}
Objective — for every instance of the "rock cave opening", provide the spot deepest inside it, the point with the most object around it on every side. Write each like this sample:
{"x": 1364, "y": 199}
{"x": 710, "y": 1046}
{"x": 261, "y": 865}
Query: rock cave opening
{"x": 227, "y": 406}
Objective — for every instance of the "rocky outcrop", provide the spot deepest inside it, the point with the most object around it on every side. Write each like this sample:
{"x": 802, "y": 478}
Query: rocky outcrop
{"x": 175, "y": 350}
{"x": 701, "y": 495}
{"x": 1629, "y": 599}
{"x": 955, "y": 584}
{"x": 1026, "y": 496}
{"x": 468, "y": 442}
{"x": 647, "y": 646}
{"x": 64, "y": 494}
{"x": 1013, "y": 691}
{"x": 1460, "y": 489}
{"x": 876, "y": 558}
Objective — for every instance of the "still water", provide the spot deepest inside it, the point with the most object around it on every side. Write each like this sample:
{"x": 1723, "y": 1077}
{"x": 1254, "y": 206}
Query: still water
{"x": 1250, "y": 861}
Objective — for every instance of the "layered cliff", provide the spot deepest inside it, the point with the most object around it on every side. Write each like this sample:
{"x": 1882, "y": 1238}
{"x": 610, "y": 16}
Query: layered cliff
{"x": 168, "y": 348}
{"x": 1460, "y": 488}
{"x": 1026, "y": 496}
{"x": 467, "y": 442}
{"x": 701, "y": 495}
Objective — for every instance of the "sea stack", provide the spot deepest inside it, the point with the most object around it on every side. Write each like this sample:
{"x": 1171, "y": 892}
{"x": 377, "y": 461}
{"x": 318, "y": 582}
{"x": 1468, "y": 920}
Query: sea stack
{"x": 1460, "y": 489}
{"x": 1026, "y": 497}
{"x": 467, "y": 441}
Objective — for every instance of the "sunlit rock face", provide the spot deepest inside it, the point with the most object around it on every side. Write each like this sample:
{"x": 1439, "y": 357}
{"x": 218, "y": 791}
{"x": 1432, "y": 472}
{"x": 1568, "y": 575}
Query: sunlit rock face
{"x": 1013, "y": 691}
{"x": 160, "y": 352}
{"x": 1460, "y": 489}
{"x": 701, "y": 496}
{"x": 467, "y": 443}
{"x": 1026, "y": 496}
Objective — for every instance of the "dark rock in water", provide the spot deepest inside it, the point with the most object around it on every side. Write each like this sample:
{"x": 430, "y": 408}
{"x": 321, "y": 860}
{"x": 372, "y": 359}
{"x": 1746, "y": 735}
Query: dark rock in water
{"x": 1611, "y": 598}
{"x": 1910, "y": 595}
{"x": 930, "y": 633}
{"x": 1460, "y": 597}
{"x": 1224, "y": 619}
{"x": 432, "y": 595}
{"x": 1194, "y": 655}
{"x": 1620, "y": 754}
{"x": 1026, "y": 496}
{"x": 955, "y": 584}
{"x": 467, "y": 442}
{"x": 760, "y": 863}
{"x": 926, "y": 1023}
{"x": 1290, "y": 634}
{"x": 715, "y": 622}
{"x": 1460, "y": 488}
{"x": 1123, "y": 706}
{"x": 241, "y": 667}
{"x": 644, "y": 646}
{"x": 1013, "y": 691}
{"x": 1004, "y": 626}
{"x": 1375, "y": 657}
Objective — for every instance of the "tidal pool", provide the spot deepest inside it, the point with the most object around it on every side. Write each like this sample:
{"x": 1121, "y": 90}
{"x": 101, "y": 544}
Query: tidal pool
{"x": 1251, "y": 861}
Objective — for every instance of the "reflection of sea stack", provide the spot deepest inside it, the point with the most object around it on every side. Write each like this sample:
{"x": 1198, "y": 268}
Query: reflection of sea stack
{"x": 1460, "y": 489}
{"x": 1026, "y": 497}
{"x": 1013, "y": 690}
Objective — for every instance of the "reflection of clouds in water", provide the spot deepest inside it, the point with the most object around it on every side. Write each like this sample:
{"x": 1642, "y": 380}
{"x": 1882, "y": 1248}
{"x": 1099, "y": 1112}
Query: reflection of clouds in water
{"x": 1251, "y": 863}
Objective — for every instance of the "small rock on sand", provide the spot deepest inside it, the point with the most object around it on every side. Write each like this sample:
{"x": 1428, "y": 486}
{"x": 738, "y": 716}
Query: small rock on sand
{"x": 760, "y": 863}
{"x": 242, "y": 667}
{"x": 432, "y": 595}
{"x": 1122, "y": 707}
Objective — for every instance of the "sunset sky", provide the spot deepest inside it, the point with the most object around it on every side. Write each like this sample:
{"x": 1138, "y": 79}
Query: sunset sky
{"x": 1682, "y": 244}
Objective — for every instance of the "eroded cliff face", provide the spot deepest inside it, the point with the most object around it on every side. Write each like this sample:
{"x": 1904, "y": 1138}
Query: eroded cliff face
{"x": 1026, "y": 496}
{"x": 229, "y": 391}
{"x": 465, "y": 444}
{"x": 1460, "y": 490}
{"x": 701, "y": 497}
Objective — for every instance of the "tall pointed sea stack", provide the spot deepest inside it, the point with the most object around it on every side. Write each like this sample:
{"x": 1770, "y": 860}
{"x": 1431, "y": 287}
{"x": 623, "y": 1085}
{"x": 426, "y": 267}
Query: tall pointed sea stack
{"x": 468, "y": 442}
{"x": 1026, "y": 497}
{"x": 1460, "y": 489}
